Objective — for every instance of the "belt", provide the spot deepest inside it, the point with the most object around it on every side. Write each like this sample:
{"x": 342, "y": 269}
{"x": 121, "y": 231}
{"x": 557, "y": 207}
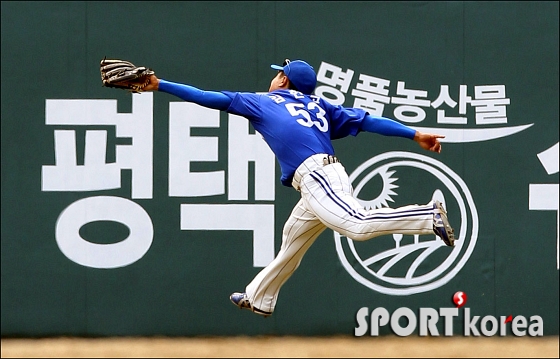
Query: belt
{"x": 312, "y": 164}
{"x": 329, "y": 160}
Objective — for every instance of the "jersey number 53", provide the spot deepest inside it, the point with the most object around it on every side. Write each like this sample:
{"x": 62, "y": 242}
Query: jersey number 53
{"x": 299, "y": 110}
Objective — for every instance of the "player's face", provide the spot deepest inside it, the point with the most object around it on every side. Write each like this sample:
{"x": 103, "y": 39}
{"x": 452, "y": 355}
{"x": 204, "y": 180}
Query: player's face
{"x": 278, "y": 82}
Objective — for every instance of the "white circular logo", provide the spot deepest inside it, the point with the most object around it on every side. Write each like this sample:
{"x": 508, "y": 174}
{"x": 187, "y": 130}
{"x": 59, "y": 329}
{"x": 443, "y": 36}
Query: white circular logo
{"x": 398, "y": 264}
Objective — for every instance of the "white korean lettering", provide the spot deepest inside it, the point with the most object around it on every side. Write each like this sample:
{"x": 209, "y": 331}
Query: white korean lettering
{"x": 185, "y": 149}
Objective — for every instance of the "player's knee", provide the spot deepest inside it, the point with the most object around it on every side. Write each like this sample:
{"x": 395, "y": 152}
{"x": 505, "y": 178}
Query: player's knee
{"x": 359, "y": 236}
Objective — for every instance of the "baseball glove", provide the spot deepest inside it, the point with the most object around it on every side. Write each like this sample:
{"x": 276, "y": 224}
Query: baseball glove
{"x": 124, "y": 75}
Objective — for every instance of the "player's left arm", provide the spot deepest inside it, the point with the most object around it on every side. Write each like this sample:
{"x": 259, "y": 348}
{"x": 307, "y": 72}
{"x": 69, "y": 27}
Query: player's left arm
{"x": 210, "y": 99}
{"x": 388, "y": 127}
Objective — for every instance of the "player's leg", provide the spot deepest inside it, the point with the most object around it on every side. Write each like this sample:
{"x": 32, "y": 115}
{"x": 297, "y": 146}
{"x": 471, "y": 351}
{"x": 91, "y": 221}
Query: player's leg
{"x": 328, "y": 193}
{"x": 299, "y": 233}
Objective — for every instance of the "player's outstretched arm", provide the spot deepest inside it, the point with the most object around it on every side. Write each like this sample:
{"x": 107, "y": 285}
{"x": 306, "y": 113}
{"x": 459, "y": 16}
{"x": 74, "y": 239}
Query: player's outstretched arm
{"x": 389, "y": 127}
{"x": 211, "y": 99}
{"x": 428, "y": 141}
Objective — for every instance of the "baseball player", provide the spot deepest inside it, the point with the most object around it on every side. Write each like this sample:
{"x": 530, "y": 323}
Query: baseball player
{"x": 299, "y": 127}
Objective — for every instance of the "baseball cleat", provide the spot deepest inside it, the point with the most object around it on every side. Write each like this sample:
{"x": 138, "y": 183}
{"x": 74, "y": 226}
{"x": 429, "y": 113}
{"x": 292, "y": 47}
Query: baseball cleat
{"x": 442, "y": 228}
{"x": 241, "y": 300}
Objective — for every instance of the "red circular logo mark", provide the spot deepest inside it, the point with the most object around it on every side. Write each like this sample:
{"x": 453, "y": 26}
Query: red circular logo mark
{"x": 459, "y": 298}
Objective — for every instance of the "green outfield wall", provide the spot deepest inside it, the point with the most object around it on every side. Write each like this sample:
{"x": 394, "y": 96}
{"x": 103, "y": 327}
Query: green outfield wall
{"x": 139, "y": 214}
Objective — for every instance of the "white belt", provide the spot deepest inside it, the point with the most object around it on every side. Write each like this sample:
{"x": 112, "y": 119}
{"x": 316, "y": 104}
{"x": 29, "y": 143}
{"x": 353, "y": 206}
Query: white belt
{"x": 312, "y": 164}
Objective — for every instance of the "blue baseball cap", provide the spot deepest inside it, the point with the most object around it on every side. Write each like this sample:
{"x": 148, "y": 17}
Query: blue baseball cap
{"x": 300, "y": 73}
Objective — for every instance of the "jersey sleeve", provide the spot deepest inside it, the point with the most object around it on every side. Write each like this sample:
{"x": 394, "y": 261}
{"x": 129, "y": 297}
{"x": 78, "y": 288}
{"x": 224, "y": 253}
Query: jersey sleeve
{"x": 387, "y": 127}
{"x": 211, "y": 99}
{"x": 246, "y": 104}
{"x": 344, "y": 121}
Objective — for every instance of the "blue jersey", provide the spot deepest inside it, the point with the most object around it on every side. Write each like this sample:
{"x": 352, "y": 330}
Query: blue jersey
{"x": 294, "y": 125}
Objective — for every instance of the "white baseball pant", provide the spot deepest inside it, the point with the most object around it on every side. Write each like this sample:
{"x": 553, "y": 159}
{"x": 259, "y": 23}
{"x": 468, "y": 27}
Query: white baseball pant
{"x": 327, "y": 202}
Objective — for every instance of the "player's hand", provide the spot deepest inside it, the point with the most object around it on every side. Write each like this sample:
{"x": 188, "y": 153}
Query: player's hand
{"x": 428, "y": 141}
{"x": 153, "y": 85}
